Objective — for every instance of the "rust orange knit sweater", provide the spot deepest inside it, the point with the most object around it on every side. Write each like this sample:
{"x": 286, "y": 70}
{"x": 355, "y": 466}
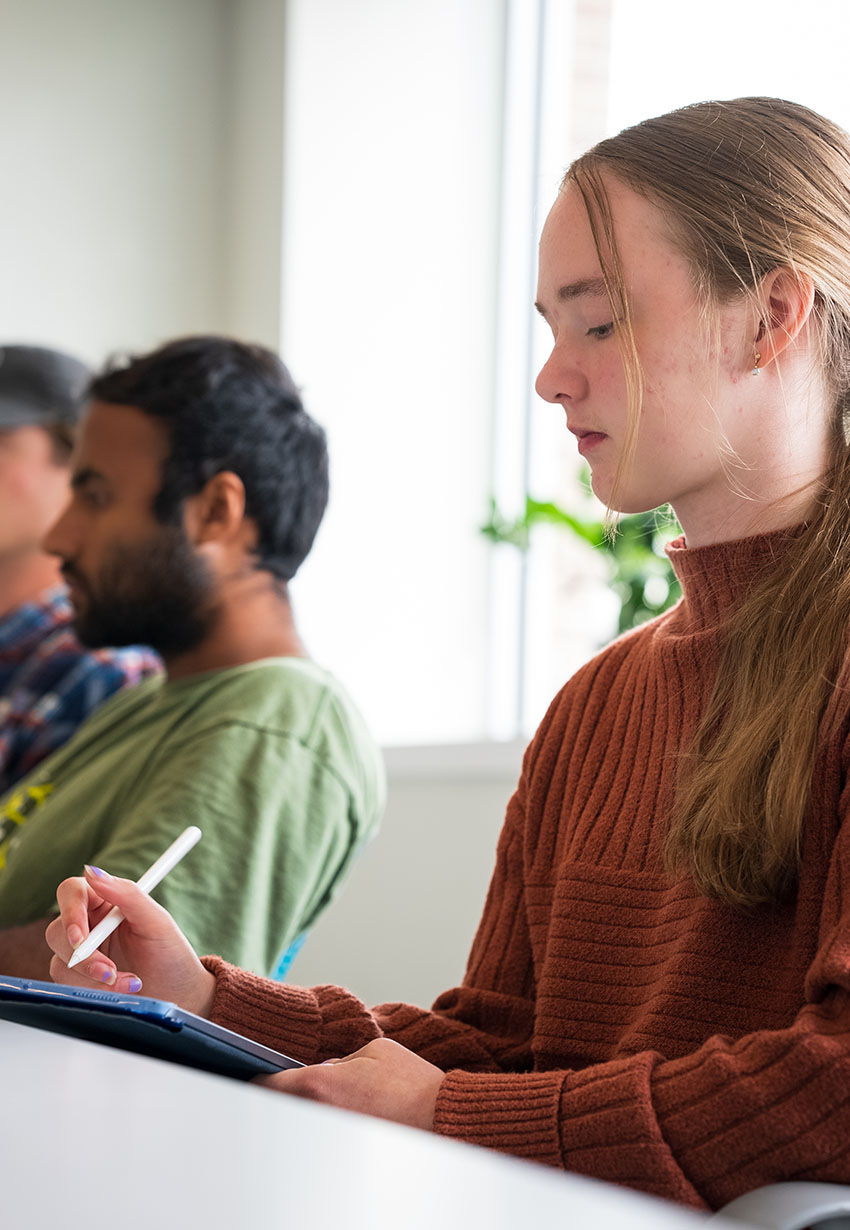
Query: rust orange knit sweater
{"x": 612, "y": 1021}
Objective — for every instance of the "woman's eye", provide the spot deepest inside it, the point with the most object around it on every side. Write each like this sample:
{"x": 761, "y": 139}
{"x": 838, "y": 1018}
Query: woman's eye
{"x": 602, "y": 330}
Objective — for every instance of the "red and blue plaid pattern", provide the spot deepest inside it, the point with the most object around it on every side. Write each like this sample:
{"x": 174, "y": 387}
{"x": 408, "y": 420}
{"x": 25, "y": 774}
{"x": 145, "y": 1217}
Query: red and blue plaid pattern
{"x": 49, "y": 684}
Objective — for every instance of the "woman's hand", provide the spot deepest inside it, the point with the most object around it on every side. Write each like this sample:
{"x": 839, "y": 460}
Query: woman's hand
{"x": 147, "y": 950}
{"x": 382, "y": 1079}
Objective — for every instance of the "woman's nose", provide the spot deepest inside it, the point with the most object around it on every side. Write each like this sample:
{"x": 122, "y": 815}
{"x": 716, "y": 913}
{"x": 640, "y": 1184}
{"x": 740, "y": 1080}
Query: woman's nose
{"x": 560, "y": 379}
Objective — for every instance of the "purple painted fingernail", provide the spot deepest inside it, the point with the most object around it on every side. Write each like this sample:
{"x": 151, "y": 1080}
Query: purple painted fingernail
{"x": 107, "y": 976}
{"x": 96, "y": 871}
{"x": 135, "y": 984}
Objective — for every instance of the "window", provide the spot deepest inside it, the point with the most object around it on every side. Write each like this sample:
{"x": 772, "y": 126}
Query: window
{"x": 391, "y": 231}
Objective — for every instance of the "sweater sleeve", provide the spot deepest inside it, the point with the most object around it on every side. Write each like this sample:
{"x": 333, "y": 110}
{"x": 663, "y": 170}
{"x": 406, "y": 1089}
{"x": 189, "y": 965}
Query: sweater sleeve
{"x": 485, "y": 1025}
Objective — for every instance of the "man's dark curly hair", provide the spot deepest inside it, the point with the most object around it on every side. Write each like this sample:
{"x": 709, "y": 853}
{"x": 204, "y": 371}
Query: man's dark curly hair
{"x": 231, "y": 406}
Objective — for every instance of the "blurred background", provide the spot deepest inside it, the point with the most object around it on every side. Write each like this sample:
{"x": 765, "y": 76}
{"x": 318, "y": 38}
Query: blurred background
{"x": 360, "y": 184}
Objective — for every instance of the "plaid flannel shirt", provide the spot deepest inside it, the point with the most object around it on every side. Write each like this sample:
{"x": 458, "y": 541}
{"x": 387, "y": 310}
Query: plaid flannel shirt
{"x": 49, "y": 683}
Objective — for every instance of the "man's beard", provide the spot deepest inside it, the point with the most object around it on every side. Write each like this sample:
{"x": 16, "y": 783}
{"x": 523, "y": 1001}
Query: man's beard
{"x": 158, "y": 594}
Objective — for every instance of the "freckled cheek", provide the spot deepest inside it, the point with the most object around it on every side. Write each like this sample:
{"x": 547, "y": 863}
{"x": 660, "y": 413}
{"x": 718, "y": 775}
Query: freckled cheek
{"x": 611, "y": 382}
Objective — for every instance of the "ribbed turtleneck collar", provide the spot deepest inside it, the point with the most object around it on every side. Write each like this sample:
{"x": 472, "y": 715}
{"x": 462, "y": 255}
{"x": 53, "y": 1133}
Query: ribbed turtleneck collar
{"x": 716, "y": 579}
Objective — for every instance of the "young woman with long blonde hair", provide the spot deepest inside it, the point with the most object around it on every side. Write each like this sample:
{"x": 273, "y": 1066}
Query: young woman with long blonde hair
{"x": 659, "y": 991}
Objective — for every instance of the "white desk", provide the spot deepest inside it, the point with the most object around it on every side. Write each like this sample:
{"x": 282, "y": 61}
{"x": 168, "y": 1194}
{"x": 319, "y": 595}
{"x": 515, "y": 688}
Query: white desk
{"x": 177, "y": 1148}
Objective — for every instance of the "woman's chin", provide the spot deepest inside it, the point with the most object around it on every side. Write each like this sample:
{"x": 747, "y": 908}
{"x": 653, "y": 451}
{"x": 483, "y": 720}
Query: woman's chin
{"x": 627, "y": 505}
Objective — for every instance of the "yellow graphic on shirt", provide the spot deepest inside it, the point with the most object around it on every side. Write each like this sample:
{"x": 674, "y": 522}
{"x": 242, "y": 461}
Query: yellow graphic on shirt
{"x": 17, "y": 809}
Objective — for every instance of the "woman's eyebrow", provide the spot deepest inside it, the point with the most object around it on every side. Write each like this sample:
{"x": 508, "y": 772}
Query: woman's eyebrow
{"x": 575, "y": 290}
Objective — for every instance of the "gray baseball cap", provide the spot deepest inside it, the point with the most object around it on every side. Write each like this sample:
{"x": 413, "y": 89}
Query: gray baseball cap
{"x": 40, "y": 387}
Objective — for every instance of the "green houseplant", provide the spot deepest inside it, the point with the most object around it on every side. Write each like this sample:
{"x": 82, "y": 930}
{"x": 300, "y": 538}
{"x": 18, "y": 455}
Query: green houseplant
{"x": 641, "y": 574}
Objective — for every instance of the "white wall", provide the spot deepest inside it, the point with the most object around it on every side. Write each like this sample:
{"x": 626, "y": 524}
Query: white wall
{"x": 112, "y": 172}
{"x": 141, "y": 155}
{"x": 254, "y": 58}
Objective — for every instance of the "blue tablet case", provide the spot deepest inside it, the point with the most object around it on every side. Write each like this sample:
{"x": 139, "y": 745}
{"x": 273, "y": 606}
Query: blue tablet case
{"x": 147, "y": 1026}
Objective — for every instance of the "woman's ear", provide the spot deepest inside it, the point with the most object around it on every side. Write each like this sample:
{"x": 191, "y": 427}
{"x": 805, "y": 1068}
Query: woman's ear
{"x": 217, "y": 512}
{"x": 786, "y": 298}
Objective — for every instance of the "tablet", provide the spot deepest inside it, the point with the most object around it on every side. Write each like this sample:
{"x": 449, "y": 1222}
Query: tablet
{"x": 147, "y": 1026}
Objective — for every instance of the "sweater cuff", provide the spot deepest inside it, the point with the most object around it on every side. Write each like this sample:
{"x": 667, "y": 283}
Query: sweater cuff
{"x": 278, "y": 1015}
{"x": 610, "y": 1130}
{"x": 598, "y": 1122}
{"x": 513, "y": 1113}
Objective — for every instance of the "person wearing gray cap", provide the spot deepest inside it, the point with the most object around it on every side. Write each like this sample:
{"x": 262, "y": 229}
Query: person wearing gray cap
{"x": 49, "y": 683}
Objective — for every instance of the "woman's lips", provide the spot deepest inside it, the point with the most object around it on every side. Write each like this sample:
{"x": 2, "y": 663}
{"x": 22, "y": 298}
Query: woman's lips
{"x": 587, "y": 440}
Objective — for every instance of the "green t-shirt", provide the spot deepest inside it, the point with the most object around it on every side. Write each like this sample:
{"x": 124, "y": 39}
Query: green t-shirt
{"x": 270, "y": 760}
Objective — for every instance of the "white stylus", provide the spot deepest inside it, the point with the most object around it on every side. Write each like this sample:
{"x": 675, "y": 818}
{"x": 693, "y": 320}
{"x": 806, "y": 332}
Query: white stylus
{"x": 146, "y": 883}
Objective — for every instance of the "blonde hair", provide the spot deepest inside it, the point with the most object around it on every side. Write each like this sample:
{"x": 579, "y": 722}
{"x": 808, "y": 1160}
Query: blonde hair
{"x": 747, "y": 187}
